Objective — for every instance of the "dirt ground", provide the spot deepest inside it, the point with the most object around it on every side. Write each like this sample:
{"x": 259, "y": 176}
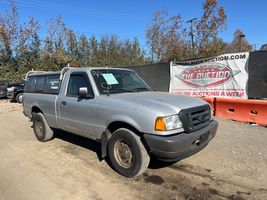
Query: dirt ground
{"x": 233, "y": 166}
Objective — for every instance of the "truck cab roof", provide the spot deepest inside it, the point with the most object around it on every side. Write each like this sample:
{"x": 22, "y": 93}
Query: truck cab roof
{"x": 73, "y": 69}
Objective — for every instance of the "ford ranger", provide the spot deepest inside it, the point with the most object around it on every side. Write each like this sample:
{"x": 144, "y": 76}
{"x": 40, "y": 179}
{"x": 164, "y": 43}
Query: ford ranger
{"x": 117, "y": 108}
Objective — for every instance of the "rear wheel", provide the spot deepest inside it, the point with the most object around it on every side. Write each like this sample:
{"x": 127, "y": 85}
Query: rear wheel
{"x": 41, "y": 128}
{"x": 127, "y": 153}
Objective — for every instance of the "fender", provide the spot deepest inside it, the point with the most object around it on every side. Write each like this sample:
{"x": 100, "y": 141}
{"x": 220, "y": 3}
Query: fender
{"x": 126, "y": 119}
{"x": 106, "y": 135}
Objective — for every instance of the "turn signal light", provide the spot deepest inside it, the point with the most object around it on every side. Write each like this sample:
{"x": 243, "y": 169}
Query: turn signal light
{"x": 160, "y": 124}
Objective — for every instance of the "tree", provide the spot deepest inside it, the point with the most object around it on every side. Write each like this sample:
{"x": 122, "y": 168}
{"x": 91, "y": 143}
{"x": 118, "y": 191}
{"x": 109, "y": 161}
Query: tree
{"x": 166, "y": 36}
{"x": 71, "y": 44}
{"x": 177, "y": 47}
{"x": 93, "y": 47}
{"x": 22, "y": 48}
{"x": 54, "y": 56}
{"x": 113, "y": 51}
{"x": 35, "y": 46}
{"x": 84, "y": 51}
{"x": 28, "y": 47}
{"x": 239, "y": 43}
{"x": 168, "y": 39}
{"x": 56, "y": 30}
{"x": 8, "y": 32}
{"x": 211, "y": 23}
{"x": 26, "y": 32}
{"x": 137, "y": 54}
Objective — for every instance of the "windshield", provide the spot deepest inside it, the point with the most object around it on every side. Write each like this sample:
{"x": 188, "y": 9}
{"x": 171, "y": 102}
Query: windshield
{"x": 111, "y": 81}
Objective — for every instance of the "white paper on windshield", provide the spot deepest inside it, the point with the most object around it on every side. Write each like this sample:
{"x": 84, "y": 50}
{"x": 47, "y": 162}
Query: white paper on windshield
{"x": 110, "y": 79}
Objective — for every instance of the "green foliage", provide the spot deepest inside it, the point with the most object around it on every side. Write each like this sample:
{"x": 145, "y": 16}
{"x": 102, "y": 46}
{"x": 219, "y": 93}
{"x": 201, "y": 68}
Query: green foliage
{"x": 22, "y": 48}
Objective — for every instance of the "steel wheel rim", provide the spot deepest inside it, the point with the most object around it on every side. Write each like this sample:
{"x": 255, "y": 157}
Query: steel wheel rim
{"x": 20, "y": 98}
{"x": 124, "y": 154}
{"x": 39, "y": 128}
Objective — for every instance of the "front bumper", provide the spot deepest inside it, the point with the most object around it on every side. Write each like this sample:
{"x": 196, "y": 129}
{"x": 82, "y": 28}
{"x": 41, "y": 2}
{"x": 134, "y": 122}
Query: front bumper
{"x": 180, "y": 146}
{"x": 10, "y": 95}
{"x": 3, "y": 94}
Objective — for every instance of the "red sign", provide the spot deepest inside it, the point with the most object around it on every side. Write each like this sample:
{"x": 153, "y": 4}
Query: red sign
{"x": 207, "y": 75}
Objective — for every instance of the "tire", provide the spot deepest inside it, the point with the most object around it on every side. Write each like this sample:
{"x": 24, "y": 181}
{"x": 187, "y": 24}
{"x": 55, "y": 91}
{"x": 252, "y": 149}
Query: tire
{"x": 19, "y": 98}
{"x": 127, "y": 153}
{"x": 41, "y": 128}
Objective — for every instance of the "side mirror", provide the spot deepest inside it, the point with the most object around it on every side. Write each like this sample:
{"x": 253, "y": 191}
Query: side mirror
{"x": 83, "y": 91}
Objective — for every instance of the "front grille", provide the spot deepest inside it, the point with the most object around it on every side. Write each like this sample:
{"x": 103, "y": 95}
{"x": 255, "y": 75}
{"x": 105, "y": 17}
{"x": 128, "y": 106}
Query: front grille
{"x": 2, "y": 91}
{"x": 195, "y": 118}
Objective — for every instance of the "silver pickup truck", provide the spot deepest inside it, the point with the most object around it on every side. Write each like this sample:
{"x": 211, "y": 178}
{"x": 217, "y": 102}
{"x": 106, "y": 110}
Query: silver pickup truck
{"x": 117, "y": 108}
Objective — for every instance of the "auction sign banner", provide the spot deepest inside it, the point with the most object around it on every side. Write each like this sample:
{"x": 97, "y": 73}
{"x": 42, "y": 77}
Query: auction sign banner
{"x": 221, "y": 76}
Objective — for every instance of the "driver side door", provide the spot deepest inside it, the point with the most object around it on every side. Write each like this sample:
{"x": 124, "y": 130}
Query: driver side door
{"x": 78, "y": 112}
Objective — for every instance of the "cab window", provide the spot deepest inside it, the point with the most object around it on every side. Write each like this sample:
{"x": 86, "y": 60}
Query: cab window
{"x": 77, "y": 81}
{"x": 52, "y": 84}
{"x": 40, "y": 83}
{"x": 30, "y": 84}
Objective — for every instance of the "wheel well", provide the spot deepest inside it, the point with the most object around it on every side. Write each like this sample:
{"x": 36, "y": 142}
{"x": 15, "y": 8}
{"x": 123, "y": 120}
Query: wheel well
{"x": 35, "y": 109}
{"x": 118, "y": 124}
{"x": 19, "y": 92}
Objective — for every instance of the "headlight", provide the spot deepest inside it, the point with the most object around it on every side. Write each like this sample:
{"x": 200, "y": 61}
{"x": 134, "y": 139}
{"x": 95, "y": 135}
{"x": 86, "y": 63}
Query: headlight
{"x": 168, "y": 123}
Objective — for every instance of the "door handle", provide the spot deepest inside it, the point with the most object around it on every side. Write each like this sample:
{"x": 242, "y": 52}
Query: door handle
{"x": 63, "y": 103}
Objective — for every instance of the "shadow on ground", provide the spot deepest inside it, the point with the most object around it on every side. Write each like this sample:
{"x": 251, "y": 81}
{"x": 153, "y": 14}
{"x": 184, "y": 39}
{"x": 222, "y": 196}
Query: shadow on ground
{"x": 79, "y": 141}
{"x": 96, "y": 147}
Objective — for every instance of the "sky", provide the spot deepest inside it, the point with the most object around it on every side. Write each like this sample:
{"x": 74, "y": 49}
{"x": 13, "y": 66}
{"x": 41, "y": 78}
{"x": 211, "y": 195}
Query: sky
{"x": 128, "y": 19}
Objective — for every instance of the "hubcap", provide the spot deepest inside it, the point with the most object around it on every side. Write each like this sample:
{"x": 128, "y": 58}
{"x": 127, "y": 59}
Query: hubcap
{"x": 39, "y": 128}
{"x": 123, "y": 153}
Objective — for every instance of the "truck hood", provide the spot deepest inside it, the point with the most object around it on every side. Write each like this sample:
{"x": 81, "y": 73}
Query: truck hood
{"x": 163, "y": 102}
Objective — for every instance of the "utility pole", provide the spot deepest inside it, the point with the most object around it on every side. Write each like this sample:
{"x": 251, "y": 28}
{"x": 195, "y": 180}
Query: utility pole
{"x": 255, "y": 47}
{"x": 240, "y": 38}
{"x": 192, "y": 35}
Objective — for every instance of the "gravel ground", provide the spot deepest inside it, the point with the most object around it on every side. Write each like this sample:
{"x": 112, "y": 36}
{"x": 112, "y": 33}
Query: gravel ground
{"x": 233, "y": 166}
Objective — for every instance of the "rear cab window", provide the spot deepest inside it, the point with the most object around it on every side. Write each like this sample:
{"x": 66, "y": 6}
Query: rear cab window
{"x": 40, "y": 83}
{"x": 52, "y": 84}
{"x": 30, "y": 84}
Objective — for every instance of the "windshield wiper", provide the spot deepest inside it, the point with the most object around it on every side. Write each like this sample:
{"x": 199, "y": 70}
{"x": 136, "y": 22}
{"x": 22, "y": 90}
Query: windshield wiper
{"x": 141, "y": 89}
{"x": 120, "y": 90}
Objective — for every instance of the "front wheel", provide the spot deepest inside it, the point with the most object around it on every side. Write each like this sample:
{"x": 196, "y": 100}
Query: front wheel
{"x": 127, "y": 153}
{"x": 41, "y": 128}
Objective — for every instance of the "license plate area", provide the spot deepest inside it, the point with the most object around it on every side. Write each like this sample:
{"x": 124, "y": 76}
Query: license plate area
{"x": 203, "y": 138}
